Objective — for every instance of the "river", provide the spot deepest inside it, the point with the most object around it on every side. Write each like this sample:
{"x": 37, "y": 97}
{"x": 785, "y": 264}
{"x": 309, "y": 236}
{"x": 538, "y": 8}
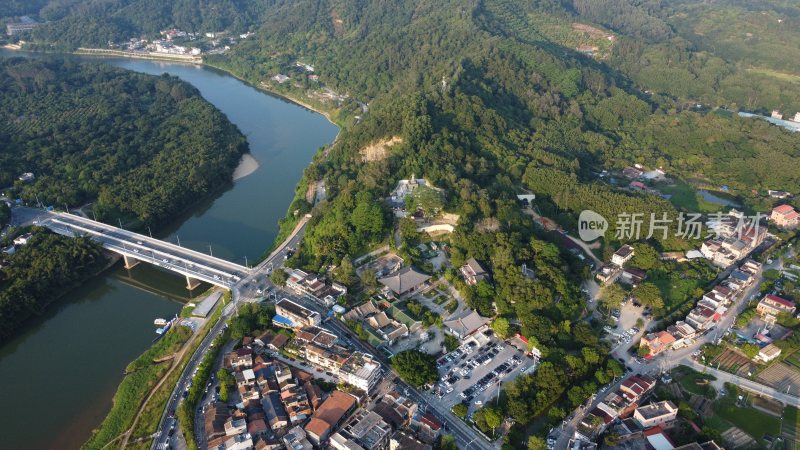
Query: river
{"x": 59, "y": 374}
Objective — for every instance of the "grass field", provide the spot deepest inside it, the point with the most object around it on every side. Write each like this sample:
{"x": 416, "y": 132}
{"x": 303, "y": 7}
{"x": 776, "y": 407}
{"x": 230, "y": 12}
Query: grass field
{"x": 688, "y": 378}
{"x": 752, "y": 421}
{"x": 685, "y": 197}
{"x": 142, "y": 375}
{"x": 793, "y": 359}
{"x": 775, "y": 74}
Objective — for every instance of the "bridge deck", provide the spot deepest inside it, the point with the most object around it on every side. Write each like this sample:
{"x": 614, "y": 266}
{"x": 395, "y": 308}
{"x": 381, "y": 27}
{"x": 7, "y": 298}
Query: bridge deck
{"x": 172, "y": 257}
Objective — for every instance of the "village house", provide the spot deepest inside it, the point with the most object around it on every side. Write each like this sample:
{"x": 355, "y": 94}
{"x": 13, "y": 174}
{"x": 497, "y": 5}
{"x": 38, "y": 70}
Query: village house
{"x": 734, "y": 240}
{"x": 702, "y": 318}
{"x": 785, "y": 216}
{"x": 274, "y": 413}
{"x": 465, "y": 323}
{"x": 427, "y": 426}
{"x": 367, "y": 429}
{"x": 22, "y": 240}
{"x": 657, "y": 342}
{"x": 377, "y": 323}
{"x": 632, "y": 276}
{"x": 303, "y": 283}
{"x": 329, "y": 415}
{"x": 402, "y": 440}
{"x": 407, "y": 279}
{"x": 239, "y": 358}
{"x": 297, "y": 439}
{"x": 632, "y": 173}
{"x": 768, "y": 353}
{"x": 622, "y": 255}
{"x": 682, "y": 332}
{"x": 771, "y": 305}
{"x": 607, "y": 273}
{"x": 289, "y": 314}
{"x": 780, "y": 195}
{"x": 473, "y": 272}
{"x": 656, "y": 414}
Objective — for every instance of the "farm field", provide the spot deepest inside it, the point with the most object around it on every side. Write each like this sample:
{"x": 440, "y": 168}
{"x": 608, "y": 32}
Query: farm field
{"x": 734, "y": 362}
{"x": 781, "y": 376}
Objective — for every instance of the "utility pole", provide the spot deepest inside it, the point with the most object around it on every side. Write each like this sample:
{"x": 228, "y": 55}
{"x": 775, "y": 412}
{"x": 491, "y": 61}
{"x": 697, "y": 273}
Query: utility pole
{"x": 120, "y": 222}
{"x": 150, "y": 231}
{"x": 209, "y": 251}
{"x": 179, "y": 240}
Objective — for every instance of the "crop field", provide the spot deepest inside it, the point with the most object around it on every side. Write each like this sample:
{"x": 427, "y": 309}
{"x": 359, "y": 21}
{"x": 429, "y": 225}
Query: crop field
{"x": 781, "y": 376}
{"x": 734, "y": 362}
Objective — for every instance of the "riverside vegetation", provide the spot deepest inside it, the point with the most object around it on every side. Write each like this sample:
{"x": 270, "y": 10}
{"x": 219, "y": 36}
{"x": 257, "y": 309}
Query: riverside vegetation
{"x": 487, "y": 98}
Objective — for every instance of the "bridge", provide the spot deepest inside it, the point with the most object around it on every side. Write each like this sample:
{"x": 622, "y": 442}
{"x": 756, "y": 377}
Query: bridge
{"x": 135, "y": 248}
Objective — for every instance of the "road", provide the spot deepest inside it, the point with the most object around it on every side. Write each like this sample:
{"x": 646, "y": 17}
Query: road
{"x": 170, "y": 256}
{"x": 239, "y": 293}
{"x": 587, "y": 248}
{"x": 743, "y": 383}
{"x": 675, "y": 357}
{"x": 466, "y": 437}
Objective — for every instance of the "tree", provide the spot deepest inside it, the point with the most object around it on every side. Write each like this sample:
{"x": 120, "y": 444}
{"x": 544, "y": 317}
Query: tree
{"x": 643, "y": 351}
{"x": 415, "y": 367}
{"x": 645, "y": 257}
{"x": 648, "y": 294}
{"x": 536, "y": 443}
{"x": 460, "y": 410}
{"x": 450, "y": 342}
{"x": 408, "y": 232}
{"x": 279, "y": 277}
{"x": 447, "y": 442}
{"x": 226, "y": 382}
{"x": 612, "y": 296}
{"x": 492, "y": 417}
{"x": 611, "y": 440}
{"x": 369, "y": 278}
{"x": 501, "y": 327}
{"x": 345, "y": 273}
{"x": 751, "y": 350}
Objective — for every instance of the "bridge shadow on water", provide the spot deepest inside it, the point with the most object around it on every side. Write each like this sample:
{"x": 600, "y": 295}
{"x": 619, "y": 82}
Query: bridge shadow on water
{"x": 161, "y": 282}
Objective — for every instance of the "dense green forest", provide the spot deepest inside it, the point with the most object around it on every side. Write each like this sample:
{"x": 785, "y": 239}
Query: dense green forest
{"x": 141, "y": 145}
{"x": 491, "y": 98}
{"x": 39, "y": 272}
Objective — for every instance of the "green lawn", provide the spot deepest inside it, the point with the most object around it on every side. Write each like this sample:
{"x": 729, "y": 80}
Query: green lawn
{"x": 791, "y": 423}
{"x": 793, "y": 359}
{"x": 685, "y": 197}
{"x": 752, "y": 421}
{"x": 688, "y": 377}
{"x": 675, "y": 291}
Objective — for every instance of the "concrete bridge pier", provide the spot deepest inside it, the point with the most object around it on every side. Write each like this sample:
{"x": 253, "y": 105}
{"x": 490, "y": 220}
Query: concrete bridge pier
{"x": 129, "y": 261}
{"x": 191, "y": 283}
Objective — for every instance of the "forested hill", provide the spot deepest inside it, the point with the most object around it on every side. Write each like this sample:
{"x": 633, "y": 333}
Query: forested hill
{"x": 487, "y": 99}
{"x": 733, "y": 52}
{"x": 141, "y": 145}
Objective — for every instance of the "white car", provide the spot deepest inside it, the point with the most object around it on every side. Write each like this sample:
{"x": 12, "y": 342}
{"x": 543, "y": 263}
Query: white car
{"x": 259, "y": 291}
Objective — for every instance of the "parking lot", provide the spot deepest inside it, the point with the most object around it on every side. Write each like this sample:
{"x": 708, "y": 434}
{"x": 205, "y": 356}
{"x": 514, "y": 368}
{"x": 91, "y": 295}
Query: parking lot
{"x": 474, "y": 372}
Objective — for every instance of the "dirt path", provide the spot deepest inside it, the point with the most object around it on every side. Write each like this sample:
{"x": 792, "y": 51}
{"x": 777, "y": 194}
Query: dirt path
{"x": 175, "y": 364}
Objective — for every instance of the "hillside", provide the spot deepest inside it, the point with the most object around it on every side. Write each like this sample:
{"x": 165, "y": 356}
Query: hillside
{"x": 489, "y": 98}
{"x": 142, "y": 146}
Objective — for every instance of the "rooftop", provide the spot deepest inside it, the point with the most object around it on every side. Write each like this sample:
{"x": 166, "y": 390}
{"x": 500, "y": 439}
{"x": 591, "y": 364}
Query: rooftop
{"x": 654, "y": 410}
{"x": 332, "y": 410}
{"x": 466, "y": 322}
{"x": 404, "y": 280}
{"x": 295, "y": 309}
{"x": 779, "y": 300}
